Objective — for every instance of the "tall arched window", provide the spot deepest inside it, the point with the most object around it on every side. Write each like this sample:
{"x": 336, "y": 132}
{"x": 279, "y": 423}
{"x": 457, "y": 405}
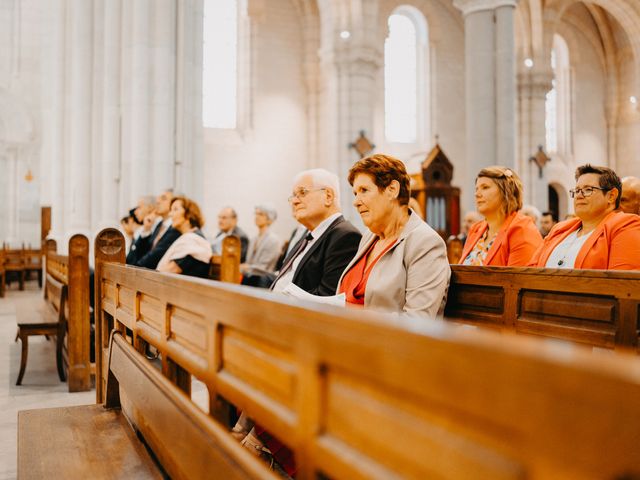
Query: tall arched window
{"x": 406, "y": 76}
{"x": 220, "y": 64}
{"x": 558, "y": 103}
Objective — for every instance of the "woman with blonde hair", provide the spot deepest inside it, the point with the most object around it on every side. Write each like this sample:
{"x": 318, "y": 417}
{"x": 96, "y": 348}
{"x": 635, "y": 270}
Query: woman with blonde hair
{"x": 505, "y": 237}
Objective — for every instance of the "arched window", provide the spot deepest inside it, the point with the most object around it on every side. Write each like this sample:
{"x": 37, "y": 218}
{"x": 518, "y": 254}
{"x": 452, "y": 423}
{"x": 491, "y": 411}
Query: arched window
{"x": 406, "y": 85}
{"x": 558, "y": 102}
{"x": 220, "y": 64}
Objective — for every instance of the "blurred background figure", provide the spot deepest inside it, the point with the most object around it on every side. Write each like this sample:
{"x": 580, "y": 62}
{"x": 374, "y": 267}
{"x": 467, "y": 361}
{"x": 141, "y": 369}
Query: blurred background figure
{"x": 630, "y": 200}
{"x": 547, "y": 221}
{"x": 264, "y": 248}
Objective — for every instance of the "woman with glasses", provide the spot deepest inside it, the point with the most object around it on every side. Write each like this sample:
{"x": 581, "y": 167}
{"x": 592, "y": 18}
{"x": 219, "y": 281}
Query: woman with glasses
{"x": 505, "y": 237}
{"x": 401, "y": 264}
{"x": 599, "y": 237}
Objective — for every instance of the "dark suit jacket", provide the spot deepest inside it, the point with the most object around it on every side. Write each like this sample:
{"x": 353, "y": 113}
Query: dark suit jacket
{"x": 320, "y": 268}
{"x": 244, "y": 242}
{"x": 141, "y": 253}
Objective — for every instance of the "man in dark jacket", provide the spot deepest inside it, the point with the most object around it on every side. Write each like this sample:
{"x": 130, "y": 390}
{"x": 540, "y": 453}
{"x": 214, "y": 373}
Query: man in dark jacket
{"x": 316, "y": 263}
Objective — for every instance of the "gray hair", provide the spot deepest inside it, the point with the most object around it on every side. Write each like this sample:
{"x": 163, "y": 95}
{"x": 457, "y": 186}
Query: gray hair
{"x": 149, "y": 200}
{"x": 322, "y": 178}
{"x": 269, "y": 211}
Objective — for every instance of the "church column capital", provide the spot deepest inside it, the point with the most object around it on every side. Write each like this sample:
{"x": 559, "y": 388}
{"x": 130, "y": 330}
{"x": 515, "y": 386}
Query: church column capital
{"x": 471, "y": 6}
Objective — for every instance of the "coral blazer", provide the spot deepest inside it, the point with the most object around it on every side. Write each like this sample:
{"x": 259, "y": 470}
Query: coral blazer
{"x": 613, "y": 245}
{"x": 514, "y": 245}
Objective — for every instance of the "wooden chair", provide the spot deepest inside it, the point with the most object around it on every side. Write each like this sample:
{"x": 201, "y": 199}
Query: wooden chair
{"x": 14, "y": 263}
{"x": 49, "y": 320}
{"x": 33, "y": 263}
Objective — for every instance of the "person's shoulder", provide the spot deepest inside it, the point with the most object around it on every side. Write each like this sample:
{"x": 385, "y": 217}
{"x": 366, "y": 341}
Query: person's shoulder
{"x": 621, "y": 220}
{"x": 237, "y": 231}
{"x": 423, "y": 234}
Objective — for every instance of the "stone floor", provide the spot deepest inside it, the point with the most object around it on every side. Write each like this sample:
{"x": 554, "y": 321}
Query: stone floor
{"x": 40, "y": 387}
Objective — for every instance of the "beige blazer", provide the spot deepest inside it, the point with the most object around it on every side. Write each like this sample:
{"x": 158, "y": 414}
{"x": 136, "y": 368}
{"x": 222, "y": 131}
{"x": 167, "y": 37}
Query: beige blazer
{"x": 412, "y": 276}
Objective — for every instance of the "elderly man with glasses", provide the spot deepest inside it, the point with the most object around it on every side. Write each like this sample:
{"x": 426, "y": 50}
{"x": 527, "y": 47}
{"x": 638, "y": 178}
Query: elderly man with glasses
{"x": 600, "y": 237}
{"x": 318, "y": 259}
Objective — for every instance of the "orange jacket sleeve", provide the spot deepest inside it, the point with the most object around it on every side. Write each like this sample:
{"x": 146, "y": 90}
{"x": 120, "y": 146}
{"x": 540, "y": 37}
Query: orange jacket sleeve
{"x": 624, "y": 249}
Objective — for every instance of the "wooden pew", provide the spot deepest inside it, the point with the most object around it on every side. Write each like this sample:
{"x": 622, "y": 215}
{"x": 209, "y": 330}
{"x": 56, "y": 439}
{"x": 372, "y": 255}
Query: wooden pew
{"x": 2, "y": 273}
{"x": 14, "y": 262}
{"x": 226, "y": 267}
{"x": 32, "y": 259}
{"x": 355, "y": 395}
{"x": 597, "y": 308}
{"x": 68, "y": 273}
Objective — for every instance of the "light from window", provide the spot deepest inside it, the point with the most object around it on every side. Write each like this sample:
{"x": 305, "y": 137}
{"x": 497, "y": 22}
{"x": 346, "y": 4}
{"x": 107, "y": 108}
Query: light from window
{"x": 220, "y": 64}
{"x": 400, "y": 76}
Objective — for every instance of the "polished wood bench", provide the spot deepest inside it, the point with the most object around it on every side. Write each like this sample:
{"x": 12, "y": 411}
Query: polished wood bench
{"x": 14, "y": 265}
{"x": 592, "y": 307}
{"x": 226, "y": 267}
{"x": 33, "y": 262}
{"x": 353, "y": 394}
{"x": 64, "y": 314}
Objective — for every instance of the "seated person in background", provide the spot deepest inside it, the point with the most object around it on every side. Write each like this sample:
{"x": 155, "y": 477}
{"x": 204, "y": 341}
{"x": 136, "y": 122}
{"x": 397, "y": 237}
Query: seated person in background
{"x": 630, "y": 199}
{"x": 547, "y": 221}
{"x": 468, "y": 221}
{"x": 599, "y": 237}
{"x": 129, "y": 226}
{"x": 264, "y": 248}
{"x": 228, "y": 225}
{"x": 190, "y": 254}
{"x": 297, "y": 235}
{"x": 157, "y": 235}
{"x": 505, "y": 237}
{"x": 533, "y": 213}
{"x": 401, "y": 264}
{"x": 315, "y": 263}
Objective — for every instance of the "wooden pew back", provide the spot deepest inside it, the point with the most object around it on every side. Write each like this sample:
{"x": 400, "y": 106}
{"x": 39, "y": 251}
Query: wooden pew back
{"x": 598, "y": 308}
{"x": 226, "y": 267}
{"x": 357, "y": 395}
{"x": 73, "y": 270}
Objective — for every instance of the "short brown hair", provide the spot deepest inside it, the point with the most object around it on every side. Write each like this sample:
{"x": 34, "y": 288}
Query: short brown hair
{"x": 608, "y": 179}
{"x": 384, "y": 169}
{"x": 191, "y": 211}
{"x": 508, "y": 183}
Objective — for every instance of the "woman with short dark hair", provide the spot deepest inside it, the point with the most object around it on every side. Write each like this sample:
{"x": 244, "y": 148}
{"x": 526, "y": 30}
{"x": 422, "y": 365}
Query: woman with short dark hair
{"x": 599, "y": 237}
{"x": 505, "y": 237}
{"x": 401, "y": 264}
{"x": 190, "y": 254}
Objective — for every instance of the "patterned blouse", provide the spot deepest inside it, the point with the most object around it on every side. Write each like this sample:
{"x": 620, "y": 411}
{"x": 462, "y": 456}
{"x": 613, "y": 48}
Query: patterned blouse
{"x": 480, "y": 250}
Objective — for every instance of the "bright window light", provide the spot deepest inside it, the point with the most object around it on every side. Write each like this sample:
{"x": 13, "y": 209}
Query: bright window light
{"x": 220, "y": 64}
{"x": 400, "y": 74}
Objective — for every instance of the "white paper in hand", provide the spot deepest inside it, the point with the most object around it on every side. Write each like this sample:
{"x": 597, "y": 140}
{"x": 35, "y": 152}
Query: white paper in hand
{"x": 292, "y": 290}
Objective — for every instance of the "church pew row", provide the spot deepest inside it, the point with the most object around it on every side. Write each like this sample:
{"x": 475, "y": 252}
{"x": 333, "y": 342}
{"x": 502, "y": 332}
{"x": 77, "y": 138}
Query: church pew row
{"x": 71, "y": 273}
{"x": 352, "y": 393}
{"x": 593, "y": 307}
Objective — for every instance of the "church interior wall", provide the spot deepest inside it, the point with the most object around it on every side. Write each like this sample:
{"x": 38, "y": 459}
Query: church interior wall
{"x": 445, "y": 87}
{"x": 256, "y": 163}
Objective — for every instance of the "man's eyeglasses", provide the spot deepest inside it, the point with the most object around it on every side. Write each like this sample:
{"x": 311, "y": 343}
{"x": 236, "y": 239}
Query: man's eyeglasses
{"x": 303, "y": 192}
{"x": 586, "y": 191}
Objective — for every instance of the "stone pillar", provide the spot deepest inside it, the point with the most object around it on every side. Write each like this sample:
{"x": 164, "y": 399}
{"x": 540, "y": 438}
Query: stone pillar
{"x": 163, "y": 90}
{"x": 111, "y": 209}
{"x": 140, "y": 171}
{"x": 348, "y": 91}
{"x": 78, "y": 195}
{"x": 490, "y": 84}
{"x": 189, "y": 132}
{"x": 533, "y": 86}
{"x": 53, "y": 153}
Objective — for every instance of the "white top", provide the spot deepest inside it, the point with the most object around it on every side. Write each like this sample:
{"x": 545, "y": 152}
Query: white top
{"x": 316, "y": 233}
{"x": 566, "y": 252}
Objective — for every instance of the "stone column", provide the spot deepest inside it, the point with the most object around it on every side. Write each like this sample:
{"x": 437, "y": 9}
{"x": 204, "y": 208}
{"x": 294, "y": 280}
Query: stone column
{"x": 141, "y": 171}
{"x": 78, "y": 195}
{"x": 533, "y": 86}
{"x": 53, "y": 154}
{"x": 490, "y": 79}
{"x": 111, "y": 209}
{"x": 163, "y": 93}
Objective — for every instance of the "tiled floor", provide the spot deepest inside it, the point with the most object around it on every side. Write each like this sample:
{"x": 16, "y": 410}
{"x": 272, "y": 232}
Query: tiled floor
{"x": 40, "y": 387}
